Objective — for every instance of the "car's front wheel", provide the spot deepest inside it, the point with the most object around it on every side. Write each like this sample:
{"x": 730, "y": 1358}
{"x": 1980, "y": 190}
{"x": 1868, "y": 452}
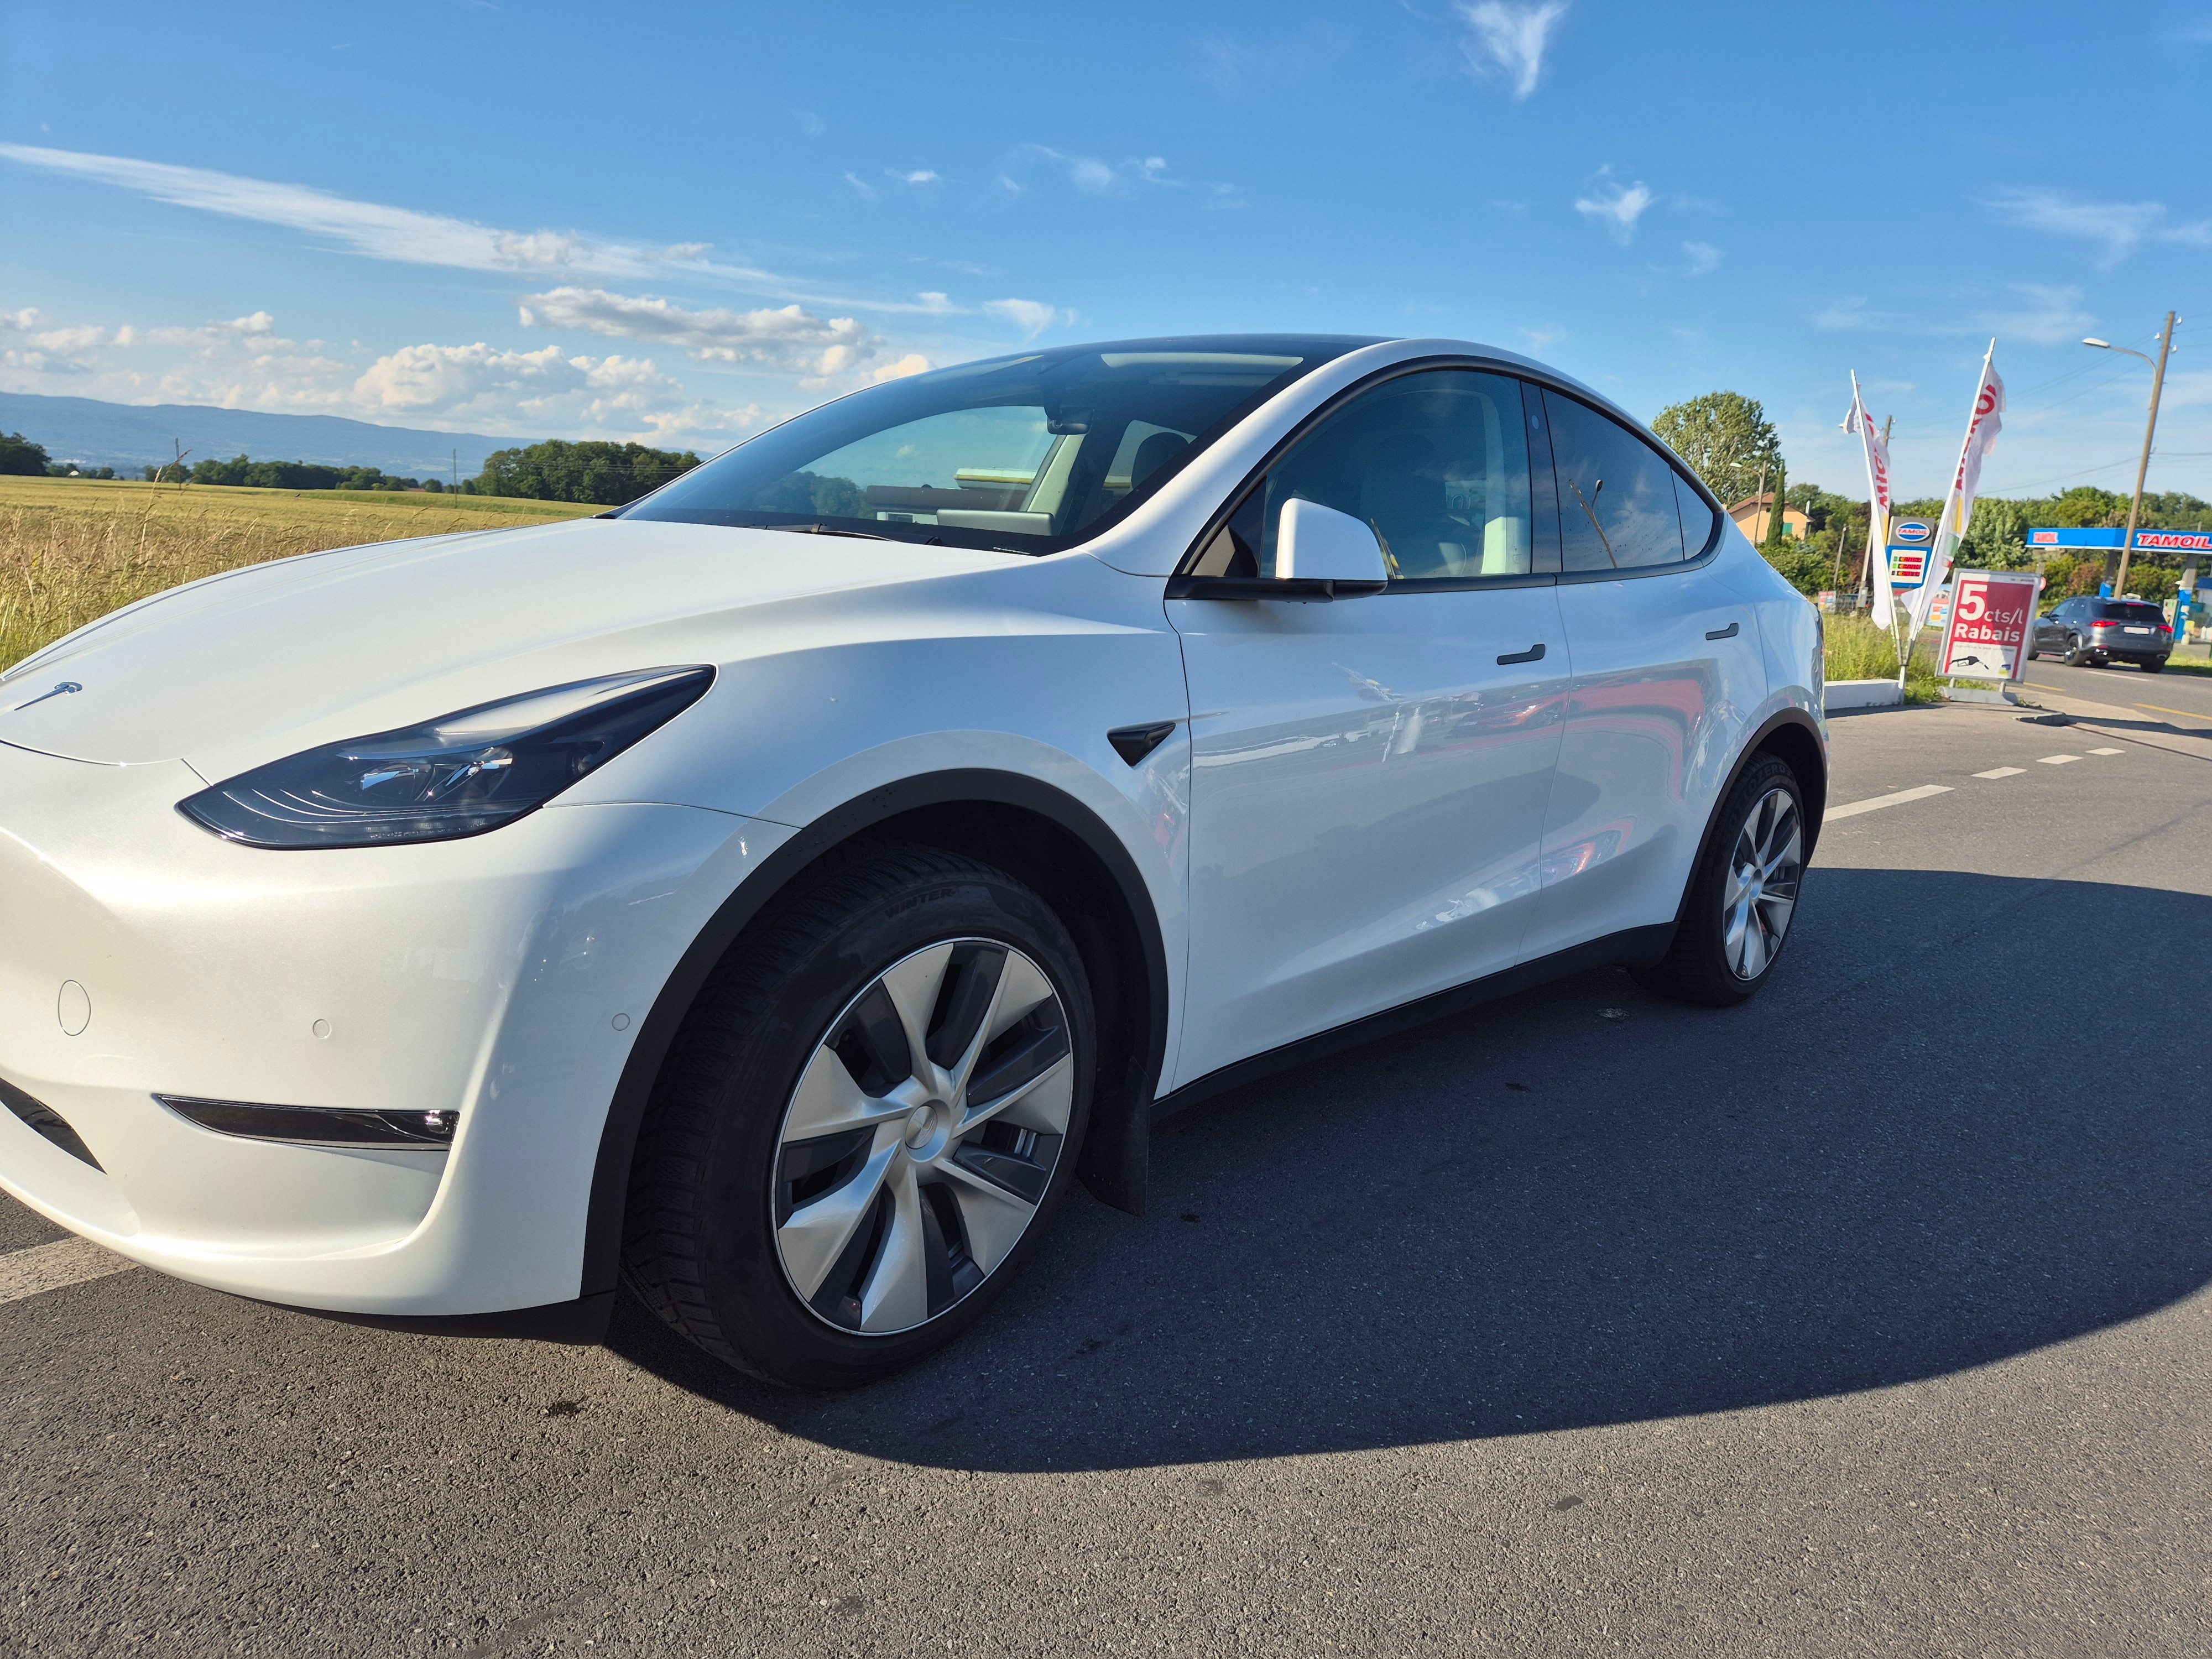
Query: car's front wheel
{"x": 866, "y": 1121}
{"x": 1743, "y": 893}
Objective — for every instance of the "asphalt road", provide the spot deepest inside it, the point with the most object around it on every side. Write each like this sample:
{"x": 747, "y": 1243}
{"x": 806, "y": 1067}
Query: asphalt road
{"x": 1869, "y": 1319}
{"x": 2184, "y": 699}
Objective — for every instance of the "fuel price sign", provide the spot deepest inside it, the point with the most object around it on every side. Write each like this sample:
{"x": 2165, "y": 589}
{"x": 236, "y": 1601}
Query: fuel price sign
{"x": 1991, "y": 612}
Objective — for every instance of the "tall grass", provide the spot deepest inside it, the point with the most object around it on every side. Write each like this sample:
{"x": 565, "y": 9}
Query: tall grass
{"x": 71, "y": 552}
{"x": 1857, "y": 650}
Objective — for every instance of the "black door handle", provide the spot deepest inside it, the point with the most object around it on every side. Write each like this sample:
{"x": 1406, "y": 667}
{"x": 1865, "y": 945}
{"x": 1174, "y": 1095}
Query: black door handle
{"x": 1533, "y": 654}
{"x": 1728, "y": 632}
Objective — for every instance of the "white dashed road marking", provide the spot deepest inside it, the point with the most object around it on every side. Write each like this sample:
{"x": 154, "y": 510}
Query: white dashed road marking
{"x": 2108, "y": 751}
{"x": 1880, "y": 801}
{"x": 2002, "y": 772}
{"x": 2056, "y": 760}
{"x": 50, "y": 1267}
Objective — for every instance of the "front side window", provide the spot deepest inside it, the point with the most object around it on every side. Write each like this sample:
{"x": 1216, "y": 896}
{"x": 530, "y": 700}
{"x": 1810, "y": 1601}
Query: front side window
{"x": 1027, "y": 454}
{"x": 1435, "y": 463}
{"x": 1618, "y": 509}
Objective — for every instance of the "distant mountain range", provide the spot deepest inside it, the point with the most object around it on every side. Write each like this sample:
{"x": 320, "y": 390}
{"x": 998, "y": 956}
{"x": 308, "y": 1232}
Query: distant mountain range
{"x": 132, "y": 435}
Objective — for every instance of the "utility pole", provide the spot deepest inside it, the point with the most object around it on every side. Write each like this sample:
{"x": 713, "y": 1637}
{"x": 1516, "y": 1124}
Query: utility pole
{"x": 457, "y": 472}
{"x": 2150, "y": 430}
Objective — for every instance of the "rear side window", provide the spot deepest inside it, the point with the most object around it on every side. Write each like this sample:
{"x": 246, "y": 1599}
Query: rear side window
{"x": 1699, "y": 521}
{"x": 1618, "y": 509}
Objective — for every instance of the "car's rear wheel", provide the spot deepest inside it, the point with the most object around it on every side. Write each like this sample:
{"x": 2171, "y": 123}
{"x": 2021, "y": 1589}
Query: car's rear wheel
{"x": 1743, "y": 894}
{"x": 866, "y": 1121}
{"x": 2152, "y": 665}
{"x": 2075, "y": 656}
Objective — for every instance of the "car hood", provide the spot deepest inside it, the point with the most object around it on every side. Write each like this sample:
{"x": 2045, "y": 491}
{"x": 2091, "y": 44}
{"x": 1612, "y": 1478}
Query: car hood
{"x": 260, "y": 662}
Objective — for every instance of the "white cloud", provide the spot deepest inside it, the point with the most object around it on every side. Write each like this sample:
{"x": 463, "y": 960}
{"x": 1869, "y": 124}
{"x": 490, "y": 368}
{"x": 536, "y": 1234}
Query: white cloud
{"x": 2045, "y": 316}
{"x": 919, "y": 176}
{"x": 1032, "y": 317}
{"x": 1510, "y": 39}
{"x": 1615, "y": 205}
{"x": 867, "y": 191}
{"x": 1705, "y": 258}
{"x": 382, "y": 233}
{"x": 405, "y": 236}
{"x": 50, "y": 350}
{"x": 1541, "y": 339}
{"x": 2119, "y": 228}
{"x": 786, "y": 337}
{"x": 1087, "y": 173}
{"x": 1840, "y": 316}
{"x": 244, "y": 363}
{"x": 808, "y": 123}
{"x": 913, "y": 363}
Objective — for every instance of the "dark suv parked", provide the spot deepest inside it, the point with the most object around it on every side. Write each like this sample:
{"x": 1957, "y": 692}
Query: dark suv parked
{"x": 2096, "y": 632}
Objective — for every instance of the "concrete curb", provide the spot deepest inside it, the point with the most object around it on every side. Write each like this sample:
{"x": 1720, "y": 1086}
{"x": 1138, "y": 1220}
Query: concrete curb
{"x": 1863, "y": 694}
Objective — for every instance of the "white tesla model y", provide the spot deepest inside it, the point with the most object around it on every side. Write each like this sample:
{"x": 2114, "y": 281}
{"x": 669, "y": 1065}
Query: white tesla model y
{"x": 777, "y": 892}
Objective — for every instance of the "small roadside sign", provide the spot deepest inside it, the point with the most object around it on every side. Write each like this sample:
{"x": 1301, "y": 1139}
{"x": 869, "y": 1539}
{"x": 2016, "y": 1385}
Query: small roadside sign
{"x": 1910, "y": 540}
{"x": 1991, "y": 613}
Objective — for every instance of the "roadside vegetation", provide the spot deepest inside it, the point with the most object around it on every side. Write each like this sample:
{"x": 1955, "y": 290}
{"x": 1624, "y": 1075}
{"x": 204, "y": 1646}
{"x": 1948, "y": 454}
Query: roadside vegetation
{"x": 1857, "y": 650}
{"x": 73, "y": 549}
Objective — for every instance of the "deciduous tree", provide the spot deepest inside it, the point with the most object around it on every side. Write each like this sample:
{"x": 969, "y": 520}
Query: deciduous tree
{"x": 1726, "y": 440}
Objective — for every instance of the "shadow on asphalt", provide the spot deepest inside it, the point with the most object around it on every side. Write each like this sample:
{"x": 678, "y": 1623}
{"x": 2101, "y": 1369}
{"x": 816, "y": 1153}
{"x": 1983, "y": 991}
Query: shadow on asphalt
{"x": 1905, "y": 1159}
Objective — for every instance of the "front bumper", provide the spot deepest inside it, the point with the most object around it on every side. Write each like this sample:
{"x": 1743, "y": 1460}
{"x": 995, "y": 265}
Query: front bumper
{"x": 503, "y": 975}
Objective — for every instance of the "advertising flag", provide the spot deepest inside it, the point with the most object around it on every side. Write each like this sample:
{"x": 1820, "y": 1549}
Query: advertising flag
{"x": 1877, "y": 465}
{"x": 1981, "y": 428}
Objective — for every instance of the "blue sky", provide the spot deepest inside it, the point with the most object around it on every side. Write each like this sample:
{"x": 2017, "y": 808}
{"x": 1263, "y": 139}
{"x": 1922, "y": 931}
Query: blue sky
{"x": 678, "y": 224}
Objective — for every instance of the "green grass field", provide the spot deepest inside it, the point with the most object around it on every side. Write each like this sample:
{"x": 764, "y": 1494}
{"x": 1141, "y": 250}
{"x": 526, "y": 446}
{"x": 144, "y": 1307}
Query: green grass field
{"x": 72, "y": 550}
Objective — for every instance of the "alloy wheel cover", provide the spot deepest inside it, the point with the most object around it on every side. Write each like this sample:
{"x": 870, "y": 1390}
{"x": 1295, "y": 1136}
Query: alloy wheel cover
{"x": 1765, "y": 867}
{"x": 922, "y": 1136}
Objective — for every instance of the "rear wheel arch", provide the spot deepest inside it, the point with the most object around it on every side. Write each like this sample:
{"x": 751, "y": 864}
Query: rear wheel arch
{"x": 1797, "y": 741}
{"x": 1792, "y": 736}
{"x": 1037, "y": 834}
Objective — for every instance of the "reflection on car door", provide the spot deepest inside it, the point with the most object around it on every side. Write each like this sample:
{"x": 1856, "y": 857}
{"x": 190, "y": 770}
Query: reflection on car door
{"x": 1369, "y": 776}
{"x": 1667, "y": 672}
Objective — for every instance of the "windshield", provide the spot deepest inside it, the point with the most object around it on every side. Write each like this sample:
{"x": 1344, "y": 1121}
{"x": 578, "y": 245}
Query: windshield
{"x": 1027, "y": 454}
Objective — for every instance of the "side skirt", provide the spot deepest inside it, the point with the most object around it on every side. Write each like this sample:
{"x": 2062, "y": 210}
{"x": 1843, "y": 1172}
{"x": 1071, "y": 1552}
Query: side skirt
{"x": 1633, "y": 947}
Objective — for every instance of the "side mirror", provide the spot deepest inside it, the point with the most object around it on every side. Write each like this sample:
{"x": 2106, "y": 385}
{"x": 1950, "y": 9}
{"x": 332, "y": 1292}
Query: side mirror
{"x": 1317, "y": 544}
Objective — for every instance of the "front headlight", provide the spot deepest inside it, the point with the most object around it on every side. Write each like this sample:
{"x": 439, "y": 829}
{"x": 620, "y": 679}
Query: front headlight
{"x": 459, "y": 775}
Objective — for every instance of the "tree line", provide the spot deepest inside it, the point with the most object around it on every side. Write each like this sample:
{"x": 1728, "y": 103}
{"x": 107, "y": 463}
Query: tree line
{"x": 591, "y": 472}
{"x": 21, "y": 459}
{"x": 1728, "y": 440}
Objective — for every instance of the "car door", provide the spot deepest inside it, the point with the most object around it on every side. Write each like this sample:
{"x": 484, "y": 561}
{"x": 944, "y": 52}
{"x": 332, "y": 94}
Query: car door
{"x": 2046, "y": 630}
{"x": 1667, "y": 673}
{"x": 1369, "y": 776}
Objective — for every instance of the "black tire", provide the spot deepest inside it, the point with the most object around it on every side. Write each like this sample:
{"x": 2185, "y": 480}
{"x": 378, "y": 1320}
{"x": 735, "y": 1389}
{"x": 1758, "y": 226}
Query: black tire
{"x": 1701, "y": 966}
{"x": 701, "y": 1243}
{"x": 2154, "y": 665}
{"x": 2032, "y": 654}
{"x": 2075, "y": 656}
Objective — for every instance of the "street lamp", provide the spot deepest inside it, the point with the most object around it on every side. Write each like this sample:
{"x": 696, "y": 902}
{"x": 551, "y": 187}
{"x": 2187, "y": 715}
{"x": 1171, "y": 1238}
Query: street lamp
{"x": 2157, "y": 384}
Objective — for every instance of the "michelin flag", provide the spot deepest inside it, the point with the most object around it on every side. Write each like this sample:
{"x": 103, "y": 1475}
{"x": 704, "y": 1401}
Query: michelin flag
{"x": 1861, "y": 423}
{"x": 1982, "y": 428}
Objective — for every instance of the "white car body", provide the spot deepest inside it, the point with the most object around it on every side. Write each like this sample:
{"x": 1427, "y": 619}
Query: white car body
{"x": 529, "y": 978}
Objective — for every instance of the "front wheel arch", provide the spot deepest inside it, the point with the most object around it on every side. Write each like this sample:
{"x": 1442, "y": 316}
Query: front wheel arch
{"x": 1038, "y": 834}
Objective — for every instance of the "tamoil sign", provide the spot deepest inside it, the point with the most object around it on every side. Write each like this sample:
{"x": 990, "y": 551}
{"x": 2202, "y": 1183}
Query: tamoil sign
{"x": 1910, "y": 540}
{"x": 1991, "y": 613}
